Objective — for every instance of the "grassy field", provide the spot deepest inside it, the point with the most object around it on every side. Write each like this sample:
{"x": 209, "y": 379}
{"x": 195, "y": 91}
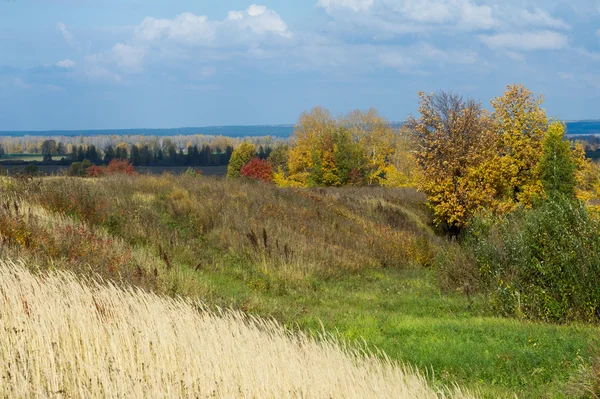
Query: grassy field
{"x": 358, "y": 262}
{"x": 65, "y": 338}
{"x": 156, "y": 170}
{"x": 403, "y": 313}
{"x": 22, "y": 157}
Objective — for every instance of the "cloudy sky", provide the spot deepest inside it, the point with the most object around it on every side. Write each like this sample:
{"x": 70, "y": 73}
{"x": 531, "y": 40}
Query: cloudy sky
{"x": 99, "y": 64}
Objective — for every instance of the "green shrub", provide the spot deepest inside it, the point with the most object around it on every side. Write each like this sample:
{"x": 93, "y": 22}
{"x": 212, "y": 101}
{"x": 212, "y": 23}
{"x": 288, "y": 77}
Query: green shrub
{"x": 541, "y": 263}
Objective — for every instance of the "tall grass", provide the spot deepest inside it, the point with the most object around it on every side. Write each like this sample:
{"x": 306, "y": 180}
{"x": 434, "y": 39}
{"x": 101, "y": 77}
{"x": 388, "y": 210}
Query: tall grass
{"x": 62, "y": 337}
{"x": 198, "y": 223}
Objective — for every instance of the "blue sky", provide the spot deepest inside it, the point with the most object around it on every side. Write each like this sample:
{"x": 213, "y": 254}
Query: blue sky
{"x": 101, "y": 64}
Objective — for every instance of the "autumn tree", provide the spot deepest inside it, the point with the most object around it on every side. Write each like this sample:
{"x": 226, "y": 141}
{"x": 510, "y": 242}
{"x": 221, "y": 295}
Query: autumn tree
{"x": 279, "y": 157}
{"x": 307, "y": 132}
{"x": 324, "y": 171}
{"x": 239, "y": 158}
{"x": 400, "y": 169}
{"x": 258, "y": 169}
{"x": 326, "y": 151}
{"x": 376, "y": 138}
{"x": 521, "y": 124}
{"x": 453, "y": 139}
{"x": 588, "y": 178}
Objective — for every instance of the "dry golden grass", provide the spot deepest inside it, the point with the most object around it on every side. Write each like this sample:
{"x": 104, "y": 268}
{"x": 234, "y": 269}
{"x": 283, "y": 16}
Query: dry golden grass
{"x": 60, "y": 337}
{"x": 289, "y": 234}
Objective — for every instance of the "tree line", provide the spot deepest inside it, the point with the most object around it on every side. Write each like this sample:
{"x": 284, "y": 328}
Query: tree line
{"x": 147, "y": 154}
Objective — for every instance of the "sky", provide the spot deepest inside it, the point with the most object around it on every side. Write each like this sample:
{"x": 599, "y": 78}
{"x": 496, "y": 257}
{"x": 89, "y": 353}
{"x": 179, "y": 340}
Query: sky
{"x": 108, "y": 64}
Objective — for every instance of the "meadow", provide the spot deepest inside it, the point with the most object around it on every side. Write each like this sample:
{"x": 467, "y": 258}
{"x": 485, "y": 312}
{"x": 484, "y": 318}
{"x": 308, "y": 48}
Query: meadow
{"x": 360, "y": 263}
{"x": 156, "y": 170}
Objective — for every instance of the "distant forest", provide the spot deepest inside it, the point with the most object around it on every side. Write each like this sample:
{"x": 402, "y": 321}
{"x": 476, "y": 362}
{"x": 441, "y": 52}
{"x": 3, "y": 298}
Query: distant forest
{"x": 155, "y": 152}
{"x": 60, "y": 148}
{"x": 583, "y": 127}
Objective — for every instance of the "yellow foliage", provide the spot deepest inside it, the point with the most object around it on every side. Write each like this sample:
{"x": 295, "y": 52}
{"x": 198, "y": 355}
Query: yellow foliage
{"x": 360, "y": 147}
{"x": 394, "y": 177}
{"x": 309, "y": 128}
{"x": 454, "y": 144}
{"x": 521, "y": 124}
{"x": 588, "y": 178}
{"x": 376, "y": 138}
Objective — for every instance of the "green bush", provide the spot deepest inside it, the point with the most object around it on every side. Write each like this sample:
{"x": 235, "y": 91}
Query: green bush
{"x": 541, "y": 263}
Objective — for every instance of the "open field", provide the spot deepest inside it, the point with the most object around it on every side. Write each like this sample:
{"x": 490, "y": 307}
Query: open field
{"x": 357, "y": 261}
{"x": 157, "y": 170}
{"x": 22, "y": 157}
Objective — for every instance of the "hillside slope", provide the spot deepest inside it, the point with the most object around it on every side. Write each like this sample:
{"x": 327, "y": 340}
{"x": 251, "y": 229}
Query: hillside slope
{"x": 61, "y": 337}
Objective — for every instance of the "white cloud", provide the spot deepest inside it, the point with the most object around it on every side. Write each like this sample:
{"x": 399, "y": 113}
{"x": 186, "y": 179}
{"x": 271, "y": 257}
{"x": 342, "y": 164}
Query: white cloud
{"x": 102, "y": 74}
{"x": 389, "y": 14}
{"x": 255, "y": 23}
{"x": 462, "y": 13}
{"x": 394, "y": 59}
{"x": 127, "y": 57}
{"x": 406, "y": 16}
{"x": 65, "y": 64}
{"x": 424, "y": 54}
{"x": 543, "y": 40}
{"x": 539, "y": 18}
{"x": 354, "y": 5}
{"x": 68, "y": 36}
{"x": 256, "y": 10}
{"x": 474, "y": 17}
{"x": 187, "y": 27}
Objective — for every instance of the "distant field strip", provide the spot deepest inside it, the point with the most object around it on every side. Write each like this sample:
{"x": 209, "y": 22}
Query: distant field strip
{"x": 63, "y": 338}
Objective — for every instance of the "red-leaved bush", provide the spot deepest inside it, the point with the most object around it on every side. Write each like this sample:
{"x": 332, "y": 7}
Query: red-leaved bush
{"x": 115, "y": 167}
{"x": 96, "y": 171}
{"x": 118, "y": 166}
{"x": 258, "y": 169}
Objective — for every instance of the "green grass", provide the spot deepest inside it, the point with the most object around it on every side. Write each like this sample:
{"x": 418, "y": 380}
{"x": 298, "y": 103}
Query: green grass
{"x": 404, "y": 314}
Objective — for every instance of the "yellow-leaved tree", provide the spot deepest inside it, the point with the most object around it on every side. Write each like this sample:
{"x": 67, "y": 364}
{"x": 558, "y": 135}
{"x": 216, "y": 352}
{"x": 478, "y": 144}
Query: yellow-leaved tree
{"x": 400, "y": 168}
{"x": 307, "y": 132}
{"x": 239, "y": 158}
{"x": 376, "y": 137}
{"x": 359, "y": 148}
{"x": 520, "y": 124}
{"x": 454, "y": 139}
